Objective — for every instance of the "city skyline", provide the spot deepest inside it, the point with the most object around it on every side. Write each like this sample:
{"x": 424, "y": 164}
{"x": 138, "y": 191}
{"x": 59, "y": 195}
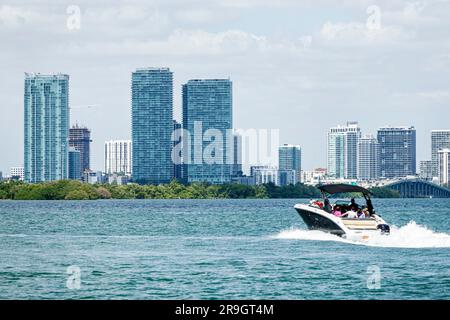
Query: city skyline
{"x": 283, "y": 69}
{"x": 206, "y": 102}
{"x": 440, "y": 135}
{"x": 79, "y": 136}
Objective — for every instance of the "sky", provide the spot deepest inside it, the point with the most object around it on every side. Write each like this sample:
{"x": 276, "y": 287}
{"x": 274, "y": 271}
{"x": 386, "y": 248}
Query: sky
{"x": 297, "y": 66}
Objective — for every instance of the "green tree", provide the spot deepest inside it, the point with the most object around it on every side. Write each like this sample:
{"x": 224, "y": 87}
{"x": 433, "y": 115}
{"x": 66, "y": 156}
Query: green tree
{"x": 77, "y": 195}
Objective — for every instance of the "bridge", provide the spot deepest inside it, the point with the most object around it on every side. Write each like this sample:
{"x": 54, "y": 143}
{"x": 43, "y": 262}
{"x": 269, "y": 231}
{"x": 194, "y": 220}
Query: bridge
{"x": 418, "y": 188}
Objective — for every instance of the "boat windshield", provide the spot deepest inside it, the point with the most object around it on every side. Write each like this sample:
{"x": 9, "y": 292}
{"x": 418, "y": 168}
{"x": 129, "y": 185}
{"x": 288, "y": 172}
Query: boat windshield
{"x": 348, "y": 203}
{"x": 350, "y": 208}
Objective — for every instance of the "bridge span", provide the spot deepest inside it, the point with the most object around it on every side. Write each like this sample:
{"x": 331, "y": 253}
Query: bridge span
{"x": 418, "y": 188}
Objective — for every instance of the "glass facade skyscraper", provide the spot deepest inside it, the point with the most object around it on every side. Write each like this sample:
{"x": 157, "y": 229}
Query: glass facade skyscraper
{"x": 440, "y": 140}
{"x": 152, "y": 126}
{"x": 397, "y": 151}
{"x": 74, "y": 164}
{"x": 343, "y": 151}
{"x": 207, "y": 106}
{"x": 237, "y": 154}
{"x": 177, "y": 166}
{"x": 46, "y": 127}
{"x": 290, "y": 158}
{"x": 80, "y": 139}
{"x": 368, "y": 158}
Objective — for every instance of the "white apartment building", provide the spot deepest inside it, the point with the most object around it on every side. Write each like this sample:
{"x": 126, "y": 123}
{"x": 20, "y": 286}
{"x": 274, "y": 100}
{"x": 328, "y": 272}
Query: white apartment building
{"x": 17, "y": 172}
{"x": 342, "y": 151}
{"x": 118, "y": 157}
{"x": 368, "y": 158}
{"x": 265, "y": 174}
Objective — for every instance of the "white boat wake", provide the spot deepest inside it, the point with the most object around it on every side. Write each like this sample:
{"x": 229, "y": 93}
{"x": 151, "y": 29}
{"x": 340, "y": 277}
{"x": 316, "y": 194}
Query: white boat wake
{"x": 411, "y": 235}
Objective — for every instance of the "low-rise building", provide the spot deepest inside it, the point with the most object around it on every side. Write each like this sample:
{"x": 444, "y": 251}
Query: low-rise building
{"x": 118, "y": 179}
{"x": 93, "y": 177}
{"x": 245, "y": 180}
{"x": 314, "y": 177}
{"x": 17, "y": 173}
{"x": 265, "y": 174}
{"x": 287, "y": 177}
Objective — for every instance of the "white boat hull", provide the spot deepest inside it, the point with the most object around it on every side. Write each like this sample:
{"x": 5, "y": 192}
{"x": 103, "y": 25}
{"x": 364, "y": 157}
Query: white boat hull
{"x": 352, "y": 229}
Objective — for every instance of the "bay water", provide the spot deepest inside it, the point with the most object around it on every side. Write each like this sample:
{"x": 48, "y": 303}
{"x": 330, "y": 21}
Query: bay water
{"x": 217, "y": 249}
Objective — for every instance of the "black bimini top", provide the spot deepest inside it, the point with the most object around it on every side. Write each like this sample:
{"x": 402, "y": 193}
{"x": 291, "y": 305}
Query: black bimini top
{"x": 343, "y": 188}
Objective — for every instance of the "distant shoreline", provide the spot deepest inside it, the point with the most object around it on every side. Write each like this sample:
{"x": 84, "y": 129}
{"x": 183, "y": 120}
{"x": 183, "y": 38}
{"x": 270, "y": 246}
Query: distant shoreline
{"x": 76, "y": 190}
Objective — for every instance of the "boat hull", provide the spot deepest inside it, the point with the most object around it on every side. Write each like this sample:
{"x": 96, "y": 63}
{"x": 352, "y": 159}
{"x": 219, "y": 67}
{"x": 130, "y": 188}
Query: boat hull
{"x": 318, "y": 219}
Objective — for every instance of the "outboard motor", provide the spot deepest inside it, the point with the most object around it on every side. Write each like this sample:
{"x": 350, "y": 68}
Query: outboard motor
{"x": 384, "y": 228}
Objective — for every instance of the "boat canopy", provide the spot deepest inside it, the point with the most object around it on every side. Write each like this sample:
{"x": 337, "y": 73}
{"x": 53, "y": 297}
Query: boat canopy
{"x": 343, "y": 188}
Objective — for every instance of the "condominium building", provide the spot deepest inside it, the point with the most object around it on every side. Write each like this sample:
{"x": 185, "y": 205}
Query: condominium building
{"x": 152, "y": 126}
{"x": 440, "y": 139}
{"x": 342, "y": 152}
{"x": 208, "y": 118}
{"x": 237, "y": 162}
{"x": 397, "y": 151}
{"x": 368, "y": 158}
{"x": 290, "y": 158}
{"x": 80, "y": 140}
{"x": 177, "y": 164}
{"x": 426, "y": 170}
{"x": 118, "y": 157}
{"x": 46, "y": 126}
{"x": 75, "y": 172}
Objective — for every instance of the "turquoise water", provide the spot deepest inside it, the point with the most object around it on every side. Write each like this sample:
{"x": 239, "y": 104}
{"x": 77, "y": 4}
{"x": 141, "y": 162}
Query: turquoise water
{"x": 216, "y": 249}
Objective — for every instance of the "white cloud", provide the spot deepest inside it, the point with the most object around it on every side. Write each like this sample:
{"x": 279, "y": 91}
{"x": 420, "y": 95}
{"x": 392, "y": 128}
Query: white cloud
{"x": 440, "y": 96}
{"x": 329, "y": 63}
{"x": 12, "y": 16}
{"x": 195, "y": 16}
{"x": 356, "y": 33}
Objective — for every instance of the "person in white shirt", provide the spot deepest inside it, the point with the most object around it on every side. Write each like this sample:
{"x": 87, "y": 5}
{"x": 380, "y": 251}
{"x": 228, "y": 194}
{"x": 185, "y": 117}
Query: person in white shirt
{"x": 351, "y": 214}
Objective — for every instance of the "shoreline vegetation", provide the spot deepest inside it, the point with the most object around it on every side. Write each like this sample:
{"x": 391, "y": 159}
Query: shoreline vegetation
{"x": 76, "y": 190}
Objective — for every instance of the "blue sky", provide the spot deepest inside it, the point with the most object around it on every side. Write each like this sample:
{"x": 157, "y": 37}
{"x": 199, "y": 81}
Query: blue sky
{"x": 297, "y": 66}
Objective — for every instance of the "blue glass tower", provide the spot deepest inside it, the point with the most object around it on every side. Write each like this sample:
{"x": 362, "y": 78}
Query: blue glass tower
{"x": 75, "y": 164}
{"x": 46, "y": 127}
{"x": 152, "y": 126}
{"x": 290, "y": 158}
{"x": 397, "y": 151}
{"x": 208, "y": 104}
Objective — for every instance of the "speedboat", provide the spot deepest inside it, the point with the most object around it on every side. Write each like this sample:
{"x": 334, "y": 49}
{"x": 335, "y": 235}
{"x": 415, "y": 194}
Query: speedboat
{"x": 318, "y": 215}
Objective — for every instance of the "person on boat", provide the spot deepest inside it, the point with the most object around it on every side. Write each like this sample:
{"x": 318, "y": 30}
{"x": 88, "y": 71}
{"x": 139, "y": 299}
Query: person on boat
{"x": 316, "y": 203}
{"x": 337, "y": 211}
{"x": 361, "y": 214}
{"x": 366, "y": 213}
{"x": 351, "y": 214}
